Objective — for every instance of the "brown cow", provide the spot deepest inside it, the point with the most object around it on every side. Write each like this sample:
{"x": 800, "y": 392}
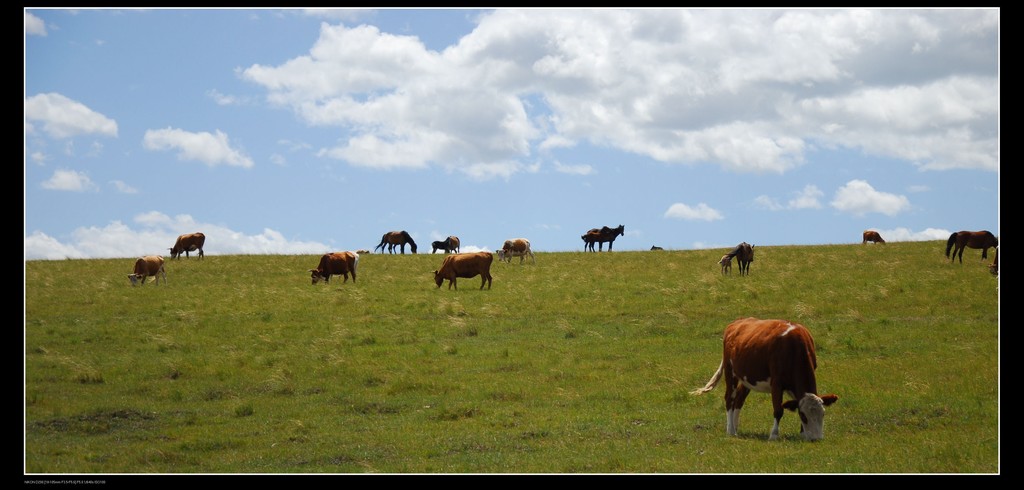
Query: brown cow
{"x": 872, "y": 236}
{"x": 516, "y": 247}
{"x": 150, "y": 265}
{"x": 186, "y": 243}
{"x": 335, "y": 263}
{"x": 465, "y": 265}
{"x": 771, "y": 356}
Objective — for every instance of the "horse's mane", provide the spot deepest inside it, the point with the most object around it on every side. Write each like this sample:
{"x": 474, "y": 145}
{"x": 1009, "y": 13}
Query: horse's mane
{"x": 407, "y": 237}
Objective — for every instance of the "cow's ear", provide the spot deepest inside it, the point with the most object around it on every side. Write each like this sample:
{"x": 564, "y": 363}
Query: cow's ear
{"x": 791, "y": 405}
{"x": 829, "y": 399}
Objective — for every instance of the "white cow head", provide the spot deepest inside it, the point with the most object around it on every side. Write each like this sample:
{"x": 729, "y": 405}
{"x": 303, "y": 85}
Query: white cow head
{"x": 811, "y": 409}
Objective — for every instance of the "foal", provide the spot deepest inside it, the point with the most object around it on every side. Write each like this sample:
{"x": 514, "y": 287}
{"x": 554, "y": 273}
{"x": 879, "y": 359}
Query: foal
{"x": 726, "y": 263}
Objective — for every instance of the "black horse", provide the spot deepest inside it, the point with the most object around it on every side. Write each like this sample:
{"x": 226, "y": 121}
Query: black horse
{"x": 601, "y": 235}
{"x": 393, "y": 238}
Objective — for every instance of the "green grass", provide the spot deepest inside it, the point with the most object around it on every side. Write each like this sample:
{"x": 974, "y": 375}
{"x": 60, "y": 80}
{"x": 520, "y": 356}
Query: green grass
{"x": 581, "y": 363}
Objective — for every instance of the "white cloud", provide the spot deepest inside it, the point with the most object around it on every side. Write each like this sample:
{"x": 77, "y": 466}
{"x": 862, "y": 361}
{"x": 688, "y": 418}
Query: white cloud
{"x": 154, "y": 233}
{"x": 38, "y": 157}
{"x": 744, "y": 89}
{"x": 224, "y": 99}
{"x": 907, "y": 235}
{"x": 701, "y": 212}
{"x": 806, "y": 198}
{"x": 211, "y": 149}
{"x": 349, "y": 14}
{"x": 582, "y": 169}
{"x": 278, "y": 159}
{"x": 123, "y": 187}
{"x": 68, "y": 180}
{"x": 64, "y": 118}
{"x": 768, "y": 203}
{"x": 857, "y": 197}
{"x": 34, "y": 26}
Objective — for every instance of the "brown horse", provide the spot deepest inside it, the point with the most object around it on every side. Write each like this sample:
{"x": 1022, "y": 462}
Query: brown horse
{"x": 744, "y": 253}
{"x": 974, "y": 239}
{"x": 393, "y": 238}
{"x": 601, "y": 235}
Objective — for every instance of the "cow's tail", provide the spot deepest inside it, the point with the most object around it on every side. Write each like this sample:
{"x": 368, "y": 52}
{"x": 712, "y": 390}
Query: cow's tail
{"x": 712, "y": 382}
{"x": 949, "y": 243}
{"x": 355, "y": 264}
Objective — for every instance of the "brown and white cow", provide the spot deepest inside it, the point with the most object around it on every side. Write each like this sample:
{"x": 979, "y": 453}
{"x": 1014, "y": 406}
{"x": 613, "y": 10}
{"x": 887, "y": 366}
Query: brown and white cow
{"x": 150, "y": 265}
{"x": 186, "y": 243}
{"x": 465, "y": 265}
{"x": 516, "y": 247}
{"x": 336, "y": 264}
{"x": 872, "y": 236}
{"x": 771, "y": 356}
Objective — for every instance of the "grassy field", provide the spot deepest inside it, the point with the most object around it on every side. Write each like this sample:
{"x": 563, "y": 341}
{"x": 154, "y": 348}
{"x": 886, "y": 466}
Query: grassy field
{"x": 581, "y": 363}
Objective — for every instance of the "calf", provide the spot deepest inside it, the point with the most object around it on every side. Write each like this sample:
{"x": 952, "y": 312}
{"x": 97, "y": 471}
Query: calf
{"x": 465, "y": 265}
{"x": 150, "y": 265}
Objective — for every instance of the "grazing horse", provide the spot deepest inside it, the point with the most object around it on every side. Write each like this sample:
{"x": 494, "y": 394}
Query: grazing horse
{"x": 744, "y": 253}
{"x": 393, "y": 238}
{"x": 601, "y": 235}
{"x": 973, "y": 239}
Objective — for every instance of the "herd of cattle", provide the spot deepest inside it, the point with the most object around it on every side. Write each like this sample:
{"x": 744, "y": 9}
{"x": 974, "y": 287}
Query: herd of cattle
{"x": 767, "y": 356}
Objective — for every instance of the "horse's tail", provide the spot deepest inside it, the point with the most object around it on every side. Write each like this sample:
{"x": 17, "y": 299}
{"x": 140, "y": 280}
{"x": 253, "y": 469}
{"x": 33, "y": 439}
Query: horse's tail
{"x": 712, "y": 382}
{"x": 950, "y": 242}
{"x": 383, "y": 241}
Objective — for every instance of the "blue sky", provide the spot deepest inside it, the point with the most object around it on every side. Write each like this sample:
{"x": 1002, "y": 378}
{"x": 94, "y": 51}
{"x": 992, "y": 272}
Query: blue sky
{"x": 305, "y": 131}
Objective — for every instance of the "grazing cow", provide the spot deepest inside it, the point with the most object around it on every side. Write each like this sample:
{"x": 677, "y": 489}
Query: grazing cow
{"x": 449, "y": 245}
{"x": 516, "y": 247}
{"x": 655, "y": 247}
{"x": 186, "y": 243}
{"x": 337, "y": 264}
{"x": 726, "y": 263}
{"x": 771, "y": 356}
{"x": 150, "y": 265}
{"x": 465, "y": 265}
{"x": 872, "y": 236}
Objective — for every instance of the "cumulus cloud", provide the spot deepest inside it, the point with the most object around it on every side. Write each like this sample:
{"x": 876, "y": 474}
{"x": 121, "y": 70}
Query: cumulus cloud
{"x": 69, "y": 180}
{"x": 907, "y": 235}
{"x": 859, "y": 198}
{"x": 154, "y": 233}
{"x": 582, "y": 169}
{"x": 34, "y": 26}
{"x": 123, "y": 187}
{"x": 701, "y": 212}
{"x": 64, "y": 118}
{"x": 746, "y": 90}
{"x": 211, "y": 149}
{"x": 806, "y": 198}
